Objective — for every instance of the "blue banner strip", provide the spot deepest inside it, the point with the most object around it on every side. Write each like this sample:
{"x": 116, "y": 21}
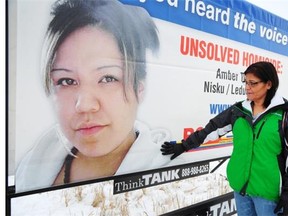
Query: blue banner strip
{"x": 237, "y": 20}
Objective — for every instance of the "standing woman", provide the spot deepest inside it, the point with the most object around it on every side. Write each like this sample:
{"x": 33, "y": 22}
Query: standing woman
{"x": 94, "y": 70}
{"x": 257, "y": 170}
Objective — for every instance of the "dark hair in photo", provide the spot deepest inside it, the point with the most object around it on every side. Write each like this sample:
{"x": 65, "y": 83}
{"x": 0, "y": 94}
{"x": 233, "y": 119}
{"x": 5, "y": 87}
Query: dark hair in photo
{"x": 131, "y": 26}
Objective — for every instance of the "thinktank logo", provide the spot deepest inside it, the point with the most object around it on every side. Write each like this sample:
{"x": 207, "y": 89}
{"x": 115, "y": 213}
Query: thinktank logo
{"x": 160, "y": 176}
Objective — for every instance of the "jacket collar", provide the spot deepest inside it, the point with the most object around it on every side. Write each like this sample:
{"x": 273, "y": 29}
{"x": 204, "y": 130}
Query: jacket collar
{"x": 276, "y": 101}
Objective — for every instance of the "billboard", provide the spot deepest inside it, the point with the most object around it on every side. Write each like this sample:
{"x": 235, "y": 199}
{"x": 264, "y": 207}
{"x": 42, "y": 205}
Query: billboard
{"x": 204, "y": 47}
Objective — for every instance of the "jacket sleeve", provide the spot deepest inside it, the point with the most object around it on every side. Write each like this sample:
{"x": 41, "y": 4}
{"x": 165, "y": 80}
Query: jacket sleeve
{"x": 285, "y": 148}
{"x": 216, "y": 127}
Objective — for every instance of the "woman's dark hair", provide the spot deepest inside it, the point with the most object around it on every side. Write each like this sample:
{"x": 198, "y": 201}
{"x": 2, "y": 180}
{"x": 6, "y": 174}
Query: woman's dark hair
{"x": 265, "y": 71}
{"x": 131, "y": 26}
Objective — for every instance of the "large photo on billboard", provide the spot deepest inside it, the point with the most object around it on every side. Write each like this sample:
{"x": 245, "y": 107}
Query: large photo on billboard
{"x": 100, "y": 85}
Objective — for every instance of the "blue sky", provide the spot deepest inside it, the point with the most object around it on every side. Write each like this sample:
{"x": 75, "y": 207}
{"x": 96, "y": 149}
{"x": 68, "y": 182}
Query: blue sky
{"x": 278, "y": 7}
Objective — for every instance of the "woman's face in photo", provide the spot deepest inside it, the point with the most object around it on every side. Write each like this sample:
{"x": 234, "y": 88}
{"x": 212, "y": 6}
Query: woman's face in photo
{"x": 88, "y": 92}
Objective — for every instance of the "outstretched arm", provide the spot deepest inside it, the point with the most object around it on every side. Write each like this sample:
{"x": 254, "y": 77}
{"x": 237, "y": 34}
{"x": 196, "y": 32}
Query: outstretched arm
{"x": 217, "y": 127}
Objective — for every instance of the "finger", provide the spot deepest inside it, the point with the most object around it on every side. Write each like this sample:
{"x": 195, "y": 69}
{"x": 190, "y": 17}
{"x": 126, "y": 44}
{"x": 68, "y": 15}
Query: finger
{"x": 166, "y": 146}
{"x": 174, "y": 156}
{"x": 278, "y": 207}
{"x": 168, "y": 150}
{"x": 166, "y": 153}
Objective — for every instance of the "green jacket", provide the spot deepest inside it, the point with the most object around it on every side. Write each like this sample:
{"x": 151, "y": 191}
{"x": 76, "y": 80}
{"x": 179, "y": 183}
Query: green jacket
{"x": 254, "y": 166}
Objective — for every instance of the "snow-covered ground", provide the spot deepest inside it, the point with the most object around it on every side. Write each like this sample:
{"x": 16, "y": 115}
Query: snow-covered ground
{"x": 98, "y": 198}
